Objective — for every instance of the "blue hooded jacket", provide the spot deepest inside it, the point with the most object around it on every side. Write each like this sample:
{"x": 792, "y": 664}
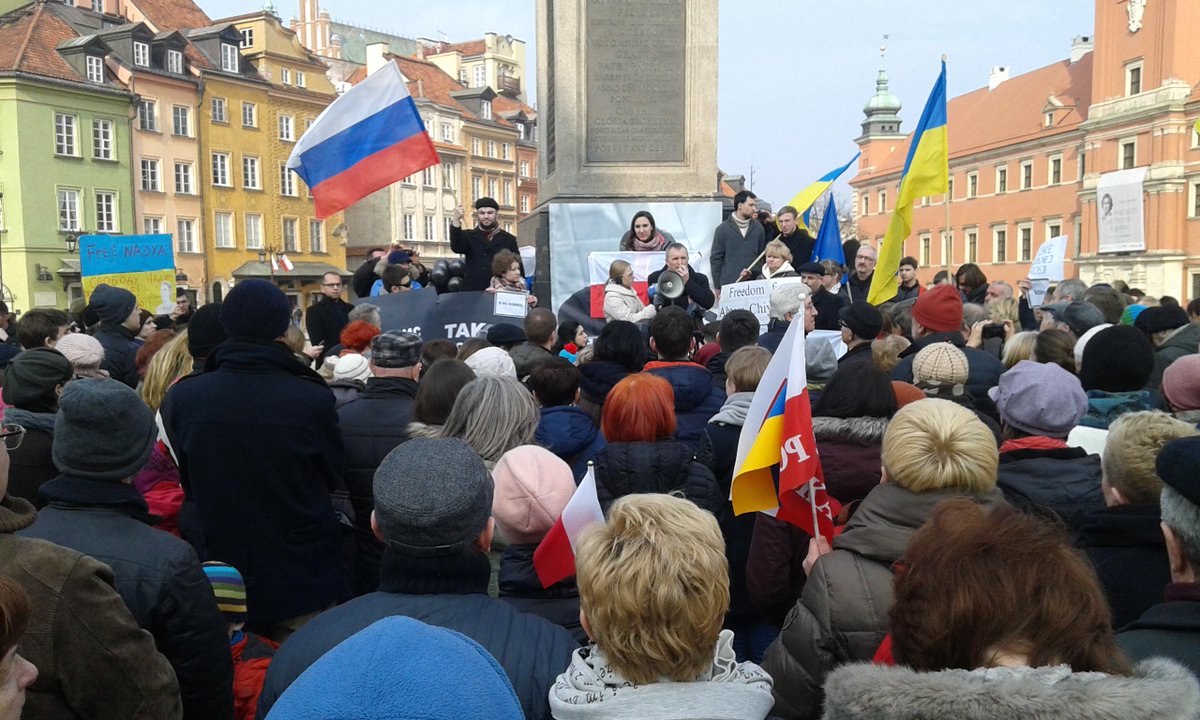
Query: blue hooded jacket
{"x": 570, "y": 433}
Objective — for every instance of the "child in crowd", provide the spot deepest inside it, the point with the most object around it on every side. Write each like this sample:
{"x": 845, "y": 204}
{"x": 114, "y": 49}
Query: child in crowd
{"x": 251, "y": 653}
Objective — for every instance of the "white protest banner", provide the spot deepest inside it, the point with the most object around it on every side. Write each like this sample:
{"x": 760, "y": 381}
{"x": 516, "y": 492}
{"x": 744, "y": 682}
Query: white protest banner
{"x": 1038, "y": 288}
{"x": 511, "y": 304}
{"x": 1047, "y": 267}
{"x": 1119, "y": 210}
{"x": 755, "y": 296}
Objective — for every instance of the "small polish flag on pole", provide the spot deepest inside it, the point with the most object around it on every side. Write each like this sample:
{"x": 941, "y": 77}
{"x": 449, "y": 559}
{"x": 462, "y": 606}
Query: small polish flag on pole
{"x": 287, "y": 264}
{"x": 274, "y": 263}
{"x": 554, "y": 559}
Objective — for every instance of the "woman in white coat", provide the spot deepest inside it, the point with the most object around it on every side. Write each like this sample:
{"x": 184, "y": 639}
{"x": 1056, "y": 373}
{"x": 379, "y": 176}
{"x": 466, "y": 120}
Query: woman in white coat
{"x": 620, "y": 301}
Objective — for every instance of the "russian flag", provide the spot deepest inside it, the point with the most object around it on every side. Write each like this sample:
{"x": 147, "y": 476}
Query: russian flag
{"x": 778, "y": 432}
{"x": 369, "y": 138}
{"x": 554, "y": 559}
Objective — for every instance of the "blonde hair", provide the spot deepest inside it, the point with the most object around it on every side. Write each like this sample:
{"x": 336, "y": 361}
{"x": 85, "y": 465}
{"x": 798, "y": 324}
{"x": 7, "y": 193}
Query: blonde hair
{"x": 1003, "y": 309}
{"x": 617, "y": 270}
{"x": 776, "y": 248}
{"x": 936, "y": 444}
{"x": 1018, "y": 347}
{"x": 654, "y": 587}
{"x": 294, "y": 339}
{"x": 169, "y": 364}
{"x": 746, "y": 366}
{"x": 1134, "y": 441}
{"x": 885, "y": 351}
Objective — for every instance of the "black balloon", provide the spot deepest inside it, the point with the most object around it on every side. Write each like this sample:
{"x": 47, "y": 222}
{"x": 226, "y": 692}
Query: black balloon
{"x": 455, "y": 283}
{"x": 441, "y": 263}
{"x": 457, "y": 268}
{"x": 438, "y": 276}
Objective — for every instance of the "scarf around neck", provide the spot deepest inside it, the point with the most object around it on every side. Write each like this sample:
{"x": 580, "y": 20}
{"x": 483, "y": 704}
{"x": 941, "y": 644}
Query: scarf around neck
{"x": 656, "y": 242}
{"x": 734, "y": 411}
{"x": 743, "y": 225}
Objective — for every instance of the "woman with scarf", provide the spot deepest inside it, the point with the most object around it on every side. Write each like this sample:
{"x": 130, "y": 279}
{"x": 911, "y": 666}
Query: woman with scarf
{"x": 643, "y": 235}
{"x": 621, "y": 302}
{"x": 506, "y": 276}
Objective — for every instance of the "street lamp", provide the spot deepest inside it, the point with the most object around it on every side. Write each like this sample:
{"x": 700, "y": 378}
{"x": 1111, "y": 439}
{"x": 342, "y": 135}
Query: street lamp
{"x": 72, "y": 243}
{"x": 273, "y": 252}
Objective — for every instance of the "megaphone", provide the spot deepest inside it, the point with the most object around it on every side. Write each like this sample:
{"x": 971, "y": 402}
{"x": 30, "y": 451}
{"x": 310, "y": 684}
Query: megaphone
{"x": 670, "y": 284}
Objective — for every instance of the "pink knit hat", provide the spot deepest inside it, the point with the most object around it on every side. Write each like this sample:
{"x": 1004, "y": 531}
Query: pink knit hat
{"x": 533, "y": 486}
{"x": 1181, "y": 383}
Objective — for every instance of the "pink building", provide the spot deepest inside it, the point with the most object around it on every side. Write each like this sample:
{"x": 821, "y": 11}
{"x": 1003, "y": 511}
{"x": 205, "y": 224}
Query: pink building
{"x": 1027, "y": 155}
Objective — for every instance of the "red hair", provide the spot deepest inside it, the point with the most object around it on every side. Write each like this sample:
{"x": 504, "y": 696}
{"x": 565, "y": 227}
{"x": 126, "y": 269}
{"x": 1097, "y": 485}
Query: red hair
{"x": 356, "y": 337}
{"x": 640, "y": 408}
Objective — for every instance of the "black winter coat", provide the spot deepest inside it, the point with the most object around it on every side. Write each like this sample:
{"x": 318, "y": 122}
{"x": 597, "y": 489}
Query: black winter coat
{"x": 800, "y": 244}
{"x": 1125, "y": 544}
{"x": 325, "y": 321}
{"x": 478, "y": 252}
{"x": 716, "y": 367}
{"x": 655, "y": 467}
{"x": 854, "y": 289}
{"x": 448, "y": 592}
{"x": 983, "y": 370}
{"x": 1170, "y": 629}
{"x": 372, "y": 426}
{"x": 31, "y": 464}
{"x": 1063, "y": 484}
{"x": 696, "y": 290}
{"x": 157, "y": 575}
{"x": 737, "y": 530}
{"x": 257, "y": 442}
{"x": 696, "y": 398}
{"x": 120, "y": 352}
{"x": 521, "y": 588}
{"x": 364, "y": 277}
{"x": 828, "y": 307}
{"x": 596, "y": 379}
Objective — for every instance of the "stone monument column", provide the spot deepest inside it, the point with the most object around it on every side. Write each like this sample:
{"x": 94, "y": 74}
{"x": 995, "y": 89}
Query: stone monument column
{"x": 627, "y": 107}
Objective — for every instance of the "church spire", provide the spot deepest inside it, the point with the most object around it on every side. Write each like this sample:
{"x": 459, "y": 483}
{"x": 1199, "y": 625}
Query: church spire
{"x": 882, "y": 110}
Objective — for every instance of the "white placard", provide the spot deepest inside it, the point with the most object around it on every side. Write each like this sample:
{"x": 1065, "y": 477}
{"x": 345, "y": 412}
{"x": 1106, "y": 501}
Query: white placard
{"x": 511, "y": 304}
{"x": 1038, "y": 288}
{"x": 833, "y": 337}
{"x": 1048, "y": 263}
{"x": 1120, "y": 211}
{"x": 755, "y": 296}
{"x": 529, "y": 259}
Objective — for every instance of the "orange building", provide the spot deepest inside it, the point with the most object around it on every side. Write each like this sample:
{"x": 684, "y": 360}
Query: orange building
{"x": 1028, "y": 152}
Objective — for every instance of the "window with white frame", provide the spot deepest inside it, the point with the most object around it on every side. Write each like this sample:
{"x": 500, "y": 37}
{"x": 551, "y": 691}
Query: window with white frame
{"x": 409, "y": 226}
{"x": 151, "y": 174}
{"x": 524, "y": 168}
{"x": 1026, "y": 174}
{"x": 491, "y": 184}
{"x": 287, "y": 181}
{"x": 102, "y": 139}
{"x": 476, "y": 144}
{"x": 141, "y": 54}
{"x": 506, "y": 152}
{"x": 448, "y": 176}
{"x": 447, "y": 132}
{"x": 430, "y": 223}
{"x": 181, "y": 120}
{"x": 95, "y": 68}
{"x": 1053, "y": 228}
{"x": 926, "y": 242}
{"x": 68, "y": 208}
{"x": 462, "y": 76}
{"x": 508, "y": 227}
{"x": 1056, "y": 164}
{"x": 446, "y": 227}
{"x": 485, "y": 110}
{"x": 247, "y": 37}
{"x": 183, "y": 179}
{"x": 285, "y": 76}
{"x": 1195, "y": 133}
{"x": 520, "y": 130}
{"x": 220, "y": 169}
{"x": 218, "y": 109}
{"x": 64, "y": 135}
{"x": 972, "y": 246}
{"x": 1128, "y": 157}
{"x": 223, "y": 229}
{"x": 1001, "y": 180}
{"x": 287, "y": 128}
{"x": 480, "y": 76}
{"x": 148, "y": 115}
{"x": 476, "y": 187}
{"x": 883, "y": 201}
{"x": 866, "y": 203}
{"x": 316, "y": 236}
{"x": 429, "y": 177}
{"x": 950, "y": 189}
{"x": 301, "y": 81}
{"x": 524, "y": 203}
{"x": 249, "y": 115}
{"x": 1133, "y": 78}
{"x": 508, "y": 201}
{"x": 251, "y": 177}
{"x": 947, "y": 247}
{"x": 491, "y": 148}
{"x": 151, "y": 225}
{"x": 972, "y": 185}
{"x": 291, "y": 235}
{"x": 1000, "y": 244}
{"x": 254, "y": 231}
{"x": 185, "y": 235}
{"x": 1080, "y": 164}
{"x": 106, "y": 211}
{"x": 175, "y": 62}
{"x": 1048, "y": 119}
{"x": 1025, "y": 242}
{"x": 1194, "y": 198}
{"x": 229, "y": 58}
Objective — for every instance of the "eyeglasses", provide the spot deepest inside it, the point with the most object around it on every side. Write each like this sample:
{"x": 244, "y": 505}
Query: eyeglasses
{"x": 12, "y": 436}
{"x": 333, "y": 285}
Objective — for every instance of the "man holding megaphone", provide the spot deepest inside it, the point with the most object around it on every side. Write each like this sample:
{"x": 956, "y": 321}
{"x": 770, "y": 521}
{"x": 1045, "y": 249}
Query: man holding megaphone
{"x": 696, "y": 288}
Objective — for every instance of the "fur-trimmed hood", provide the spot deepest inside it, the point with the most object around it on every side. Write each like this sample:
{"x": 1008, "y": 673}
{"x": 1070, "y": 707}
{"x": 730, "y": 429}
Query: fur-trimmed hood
{"x": 419, "y": 429}
{"x": 1159, "y": 689}
{"x": 858, "y": 430}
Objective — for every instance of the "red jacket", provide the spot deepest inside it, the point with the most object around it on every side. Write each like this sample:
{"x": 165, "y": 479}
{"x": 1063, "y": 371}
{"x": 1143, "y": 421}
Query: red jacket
{"x": 251, "y": 656}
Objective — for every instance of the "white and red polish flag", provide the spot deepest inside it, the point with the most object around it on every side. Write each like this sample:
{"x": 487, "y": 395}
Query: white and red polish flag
{"x": 286, "y": 262}
{"x": 554, "y": 559}
{"x": 643, "y": 263}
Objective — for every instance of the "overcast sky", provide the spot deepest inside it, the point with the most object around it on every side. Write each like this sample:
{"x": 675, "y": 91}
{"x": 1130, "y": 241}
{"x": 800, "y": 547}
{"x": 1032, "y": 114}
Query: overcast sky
{"x": 794, "y": 74}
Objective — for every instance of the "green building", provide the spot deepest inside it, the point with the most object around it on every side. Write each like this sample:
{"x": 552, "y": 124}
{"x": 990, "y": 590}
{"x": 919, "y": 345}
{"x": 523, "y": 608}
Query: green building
{"x": 65, "y": 170}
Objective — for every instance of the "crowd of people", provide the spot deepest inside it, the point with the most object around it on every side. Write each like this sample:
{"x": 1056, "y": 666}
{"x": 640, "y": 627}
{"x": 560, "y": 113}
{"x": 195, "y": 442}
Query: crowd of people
{"x": 225, "y": 519}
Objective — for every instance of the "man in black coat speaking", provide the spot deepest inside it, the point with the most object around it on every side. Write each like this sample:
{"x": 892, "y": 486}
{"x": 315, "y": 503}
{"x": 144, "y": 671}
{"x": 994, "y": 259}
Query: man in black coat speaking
{"x": 480, "y": 244}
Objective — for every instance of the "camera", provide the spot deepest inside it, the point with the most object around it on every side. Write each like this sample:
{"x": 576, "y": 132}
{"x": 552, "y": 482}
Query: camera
{"x": 993, "y": 330}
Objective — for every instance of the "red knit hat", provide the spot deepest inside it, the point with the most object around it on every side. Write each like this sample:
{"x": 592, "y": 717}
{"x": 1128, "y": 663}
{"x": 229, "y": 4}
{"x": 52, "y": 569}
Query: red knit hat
{"x": 940, "y": 309}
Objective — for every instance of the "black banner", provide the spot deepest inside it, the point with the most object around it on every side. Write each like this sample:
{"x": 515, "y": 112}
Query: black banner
{"x": 453, "y": 316}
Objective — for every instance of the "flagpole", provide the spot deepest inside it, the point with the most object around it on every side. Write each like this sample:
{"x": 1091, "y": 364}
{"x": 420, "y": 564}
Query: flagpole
{"x": 812, "y": 503}
{"x": 949, "y": 244}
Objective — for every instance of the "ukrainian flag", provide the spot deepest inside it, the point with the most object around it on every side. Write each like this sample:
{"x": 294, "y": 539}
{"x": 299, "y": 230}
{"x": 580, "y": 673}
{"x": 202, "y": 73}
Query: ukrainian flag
{"x": 926, "y": 172}
{"x": 804, "y": 199}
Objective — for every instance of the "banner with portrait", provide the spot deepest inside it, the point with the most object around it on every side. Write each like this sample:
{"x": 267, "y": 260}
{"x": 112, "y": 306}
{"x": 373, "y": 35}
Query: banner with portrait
{"x": 1120, "y": 211}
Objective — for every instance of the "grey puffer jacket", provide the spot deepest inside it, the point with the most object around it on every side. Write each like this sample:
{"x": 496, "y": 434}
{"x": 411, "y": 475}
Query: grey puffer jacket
{"x": 1158, "y": 689}
{"x": 842, "y": 614}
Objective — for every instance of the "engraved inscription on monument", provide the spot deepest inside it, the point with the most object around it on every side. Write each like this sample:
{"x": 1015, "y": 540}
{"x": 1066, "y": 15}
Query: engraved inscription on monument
{"x": 636, "y": 102}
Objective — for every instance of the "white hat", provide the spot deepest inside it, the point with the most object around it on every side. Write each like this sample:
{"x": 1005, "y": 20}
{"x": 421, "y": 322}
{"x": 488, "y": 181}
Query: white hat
{"x": 351, "y": 367}
{"x": 492, "y": 361}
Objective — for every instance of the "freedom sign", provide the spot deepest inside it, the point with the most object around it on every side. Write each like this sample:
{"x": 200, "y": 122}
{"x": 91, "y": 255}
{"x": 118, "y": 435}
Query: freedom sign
{"x": 142, "y": 264}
